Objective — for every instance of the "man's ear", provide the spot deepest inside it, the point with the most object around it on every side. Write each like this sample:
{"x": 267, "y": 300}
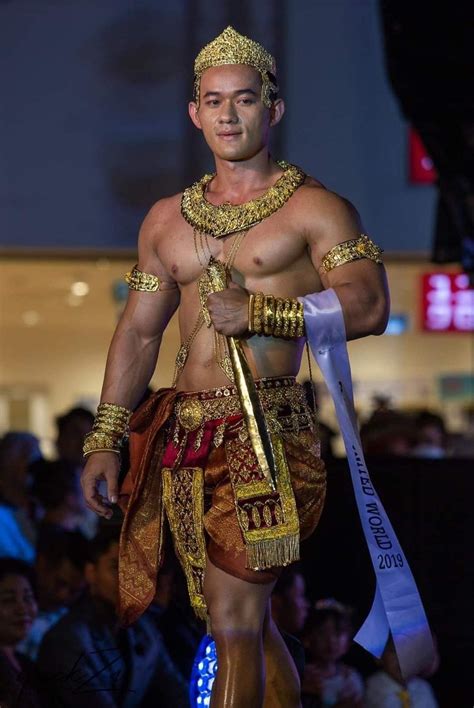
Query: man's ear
{"x": 276, "y": 111}
{"x": 194, "y": 114}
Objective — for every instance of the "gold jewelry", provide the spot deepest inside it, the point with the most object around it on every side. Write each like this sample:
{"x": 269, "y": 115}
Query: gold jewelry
{"x": 109, "y": 429}
{"x": 352, "y": 250}
{"x": 250, "y": 311}
{"x": 225, "y": 219}
{"x": 145, "y": 282}
{"x": 230, "y": 47}
{"x": 276, "y": 316}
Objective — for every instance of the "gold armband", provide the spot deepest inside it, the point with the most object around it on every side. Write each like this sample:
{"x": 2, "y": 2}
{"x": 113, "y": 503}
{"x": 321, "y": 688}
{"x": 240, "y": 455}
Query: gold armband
{"x": 109, "y": 429}
{"x": 352, "y": 250}
{"x": 276, "y": 316}
{"x": 145, "y": 282}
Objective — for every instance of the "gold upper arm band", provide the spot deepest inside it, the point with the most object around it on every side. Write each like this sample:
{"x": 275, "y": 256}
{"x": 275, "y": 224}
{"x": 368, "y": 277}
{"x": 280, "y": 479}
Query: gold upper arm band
{"x": 352, "y": 250}
{"x": 145, "y": 282}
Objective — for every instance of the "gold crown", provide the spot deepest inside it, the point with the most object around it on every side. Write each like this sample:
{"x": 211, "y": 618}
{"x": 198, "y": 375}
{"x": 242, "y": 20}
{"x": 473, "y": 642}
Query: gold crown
{"x": 230, "y": 47}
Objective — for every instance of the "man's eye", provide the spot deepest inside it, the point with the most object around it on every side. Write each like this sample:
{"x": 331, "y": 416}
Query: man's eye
{"x": 212, "y": 102}
{"x": 246, "y": 101}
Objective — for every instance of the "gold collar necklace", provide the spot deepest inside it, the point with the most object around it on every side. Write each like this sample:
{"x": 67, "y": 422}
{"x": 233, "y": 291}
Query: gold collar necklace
{"x": 225, "y": 219}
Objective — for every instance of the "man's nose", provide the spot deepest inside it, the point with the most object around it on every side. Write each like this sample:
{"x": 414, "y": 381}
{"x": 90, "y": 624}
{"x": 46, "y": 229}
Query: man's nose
{"x": 228, "y": 114}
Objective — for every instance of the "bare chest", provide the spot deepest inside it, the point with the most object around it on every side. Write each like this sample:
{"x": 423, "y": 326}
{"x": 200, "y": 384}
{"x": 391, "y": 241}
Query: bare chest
{"x": 267, "y": 249}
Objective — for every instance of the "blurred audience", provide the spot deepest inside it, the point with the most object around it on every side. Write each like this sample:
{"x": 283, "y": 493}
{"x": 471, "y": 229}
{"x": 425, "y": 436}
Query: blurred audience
{"x": 181, "y": 631}
{"x": 72, "y": 427}
{"x": 432, "y": 439}
{"x": 386, "y": 688}
{"x": 17, "y": 533}
{"x": 60, "y": 564}
{"x": 327, "y": 681}
{"x": 289, "y": 608}
{"x": 57, "y": 489}
{"x": 88, "y": 659}
{"x": 17, "y": 612}
{"x": 388, "y": 432}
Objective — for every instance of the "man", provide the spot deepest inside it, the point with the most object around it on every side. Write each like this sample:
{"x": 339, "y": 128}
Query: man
{"x": 59, "y": 567}
{"x": 86, "y": 658}
{"x": 277, "y": 232}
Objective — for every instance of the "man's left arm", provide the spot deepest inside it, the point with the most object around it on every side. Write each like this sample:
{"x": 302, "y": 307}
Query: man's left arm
{"x": 333, "y": 231}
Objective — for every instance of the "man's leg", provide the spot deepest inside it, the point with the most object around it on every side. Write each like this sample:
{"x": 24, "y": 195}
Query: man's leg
{"x": 237, "y": 611}
{"x": 282, "y": 687}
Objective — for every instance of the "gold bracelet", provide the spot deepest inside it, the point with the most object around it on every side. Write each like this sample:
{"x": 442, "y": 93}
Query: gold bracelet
{"x": 269, "y": 315}
{"x": 109, "y": 429}
{"x": 257, "y": 319}
{"x": 276, "y": 316}
{"x": 352, "y": 250}
{"x": 250, "y": 312}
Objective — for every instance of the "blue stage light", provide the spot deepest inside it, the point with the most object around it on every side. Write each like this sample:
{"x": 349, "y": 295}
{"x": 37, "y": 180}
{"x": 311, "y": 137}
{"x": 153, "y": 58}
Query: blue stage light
{"x": 203, "y": 673}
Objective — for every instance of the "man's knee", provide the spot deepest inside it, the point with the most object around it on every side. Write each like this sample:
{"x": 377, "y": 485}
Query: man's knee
{"x": 234, "y": 617}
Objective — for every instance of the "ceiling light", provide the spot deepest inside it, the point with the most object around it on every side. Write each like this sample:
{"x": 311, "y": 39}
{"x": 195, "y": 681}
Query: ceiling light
{"x": 80, "y": 288}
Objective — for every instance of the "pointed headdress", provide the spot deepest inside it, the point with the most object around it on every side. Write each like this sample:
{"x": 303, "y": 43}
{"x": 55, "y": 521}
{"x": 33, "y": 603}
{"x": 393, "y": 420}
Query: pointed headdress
{"x": 230, "y": 47}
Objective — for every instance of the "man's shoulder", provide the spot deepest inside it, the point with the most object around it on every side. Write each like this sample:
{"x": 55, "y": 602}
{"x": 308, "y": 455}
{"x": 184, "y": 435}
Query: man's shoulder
{"x": 316, "y": 197}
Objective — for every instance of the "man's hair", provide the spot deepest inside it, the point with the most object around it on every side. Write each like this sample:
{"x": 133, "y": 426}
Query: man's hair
{"x": 287, "y": 578}
{"x": 15, "y": 566}
{"x": 101, "y": 543}
{"x": 62, "y": 421}
{"x": 341, "y": 616}
{"x": 64, "y": 545}
{"x": 53, "y": 481}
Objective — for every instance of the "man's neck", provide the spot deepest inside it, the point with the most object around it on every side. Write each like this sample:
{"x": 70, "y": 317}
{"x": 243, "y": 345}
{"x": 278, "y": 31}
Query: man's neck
{"x": 240, "y": 181}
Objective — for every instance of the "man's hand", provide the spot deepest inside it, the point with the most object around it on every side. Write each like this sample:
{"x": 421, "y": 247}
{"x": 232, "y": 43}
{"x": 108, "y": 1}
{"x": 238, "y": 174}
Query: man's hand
{"x": 229, "y": 310}
{"x": 101, "y": 467}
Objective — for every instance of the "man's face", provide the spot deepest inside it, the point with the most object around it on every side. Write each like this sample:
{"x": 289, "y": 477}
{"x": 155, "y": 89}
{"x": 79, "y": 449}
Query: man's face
{"x": 231, "y": 114}
{"x": 71, "y": 439}
{"x": 58, "y": 585}
{"x": 102, "y": 575}
{"x": 328, "y": 642}
{"x": 18, "y": 609}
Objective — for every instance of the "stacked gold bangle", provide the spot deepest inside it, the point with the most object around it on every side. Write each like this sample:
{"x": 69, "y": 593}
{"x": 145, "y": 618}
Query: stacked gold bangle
{"x": 109, "y": 429}
{"x": 275, "y": 316}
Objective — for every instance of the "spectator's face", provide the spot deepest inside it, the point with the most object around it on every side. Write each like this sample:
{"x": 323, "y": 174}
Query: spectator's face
{"x": 295, "y": 606}
{"x": 18, "y": 609}
{"x": 329, "y": 643}
{"x": 102, "y": 575}
{"x": 71, "y": 439}
{"x": 58, "y": 585}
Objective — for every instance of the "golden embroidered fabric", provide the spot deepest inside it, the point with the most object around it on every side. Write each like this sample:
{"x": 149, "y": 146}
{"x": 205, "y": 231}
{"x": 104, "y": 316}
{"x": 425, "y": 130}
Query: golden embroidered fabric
{"x": 231, "y": 47}
{"x": 352, "y": 250}
{"x": 144, "y": 282}
{"x": 183, "y": 496}
{"x": 224, "y": 219}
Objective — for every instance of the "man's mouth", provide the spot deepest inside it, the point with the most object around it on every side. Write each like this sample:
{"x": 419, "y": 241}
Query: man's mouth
{"x": 228, "y": 136}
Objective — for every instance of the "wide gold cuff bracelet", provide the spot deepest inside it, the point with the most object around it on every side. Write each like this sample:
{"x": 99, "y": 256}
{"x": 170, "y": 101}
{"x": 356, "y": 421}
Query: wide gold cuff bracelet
{"x": 352, "y": 250}
{"x": 276, "y": 316}
{"x": 109, "y": 429}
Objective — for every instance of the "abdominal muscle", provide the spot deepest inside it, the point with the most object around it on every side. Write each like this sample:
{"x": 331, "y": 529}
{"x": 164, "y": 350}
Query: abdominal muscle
{"x": 267, "y": 356}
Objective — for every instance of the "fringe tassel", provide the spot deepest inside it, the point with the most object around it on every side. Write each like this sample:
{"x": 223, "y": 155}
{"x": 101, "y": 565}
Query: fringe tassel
{"x": 200, "y": 610}
{"x": 273, "y": 552}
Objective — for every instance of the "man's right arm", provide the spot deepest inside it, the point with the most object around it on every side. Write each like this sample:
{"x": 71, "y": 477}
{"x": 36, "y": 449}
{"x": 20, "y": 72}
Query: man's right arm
{"x": 133, "y": 354}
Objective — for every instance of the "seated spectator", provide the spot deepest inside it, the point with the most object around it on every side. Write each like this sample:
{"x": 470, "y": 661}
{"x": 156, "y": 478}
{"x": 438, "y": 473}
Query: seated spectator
{"x": 72, "y": 428}
{"x": 17, "y": 612}
{"x": 57, "y": 489}
{"x": 17, "y": 534}
{"x": 60, "y": 564}
{"x": 432, "y": 439}
{"x": 386, "y": 688}
{"x": 88, "y": 659}
{"x": 388, "y": 433}
{"x": 327, "y": 637}
{"x": 181, "y": 631}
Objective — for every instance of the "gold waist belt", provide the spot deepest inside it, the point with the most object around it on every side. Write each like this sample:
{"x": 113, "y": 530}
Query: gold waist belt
{"x": 280, "y": 397}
